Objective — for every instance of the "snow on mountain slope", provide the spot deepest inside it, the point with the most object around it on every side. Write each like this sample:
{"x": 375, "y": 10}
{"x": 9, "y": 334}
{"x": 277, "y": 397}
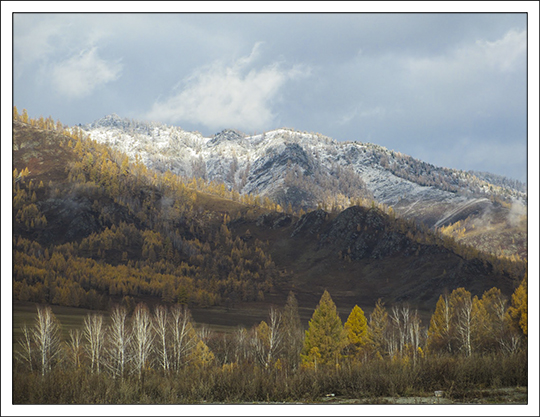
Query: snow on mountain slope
{"x": 307, "y": 168}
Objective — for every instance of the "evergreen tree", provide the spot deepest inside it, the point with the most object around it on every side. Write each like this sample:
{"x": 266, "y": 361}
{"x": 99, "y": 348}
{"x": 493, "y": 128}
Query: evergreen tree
{"x": 24, "y": 116}
{"x": 202, "y": 356}
{"x": 325, "y": 333}
{"x": 439, "y": 331}
{"x": 378, "y": 323}
{"x": 292, "y": 332}
{"x": 481, "y": 325}
{"x": 357, "y": 331}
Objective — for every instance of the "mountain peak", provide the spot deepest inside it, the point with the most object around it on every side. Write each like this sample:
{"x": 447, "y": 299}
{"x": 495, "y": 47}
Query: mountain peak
{"x": 226, "y": 135}
{"x": 110, "y": 120}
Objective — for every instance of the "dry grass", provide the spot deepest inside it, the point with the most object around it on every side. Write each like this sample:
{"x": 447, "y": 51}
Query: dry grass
{"x": 465, "y": 380}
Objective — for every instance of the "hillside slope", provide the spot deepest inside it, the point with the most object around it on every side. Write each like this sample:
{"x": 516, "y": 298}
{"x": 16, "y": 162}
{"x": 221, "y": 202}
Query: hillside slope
{"x": 91, "y": 228}
{"x": 362, "y": 254}
{"x": 308, "y": 170}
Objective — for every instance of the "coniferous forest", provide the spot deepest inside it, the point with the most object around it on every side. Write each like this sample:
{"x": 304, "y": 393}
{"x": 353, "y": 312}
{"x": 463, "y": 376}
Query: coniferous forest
{"x": 139, "y": 249}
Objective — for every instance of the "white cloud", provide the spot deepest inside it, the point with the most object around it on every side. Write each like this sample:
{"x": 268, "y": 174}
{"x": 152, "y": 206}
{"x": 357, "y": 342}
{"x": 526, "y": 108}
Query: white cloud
{"x": 505, "y": 54}
{"x": 81, "y": 74}
{"x": 218, "y": 96}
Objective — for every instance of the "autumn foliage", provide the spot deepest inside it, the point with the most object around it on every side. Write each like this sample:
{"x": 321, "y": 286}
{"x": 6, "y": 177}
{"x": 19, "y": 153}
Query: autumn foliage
{"x": 149, "y": 236}
{"x": 152, "y": 348}
{"x": 141, "y": 235}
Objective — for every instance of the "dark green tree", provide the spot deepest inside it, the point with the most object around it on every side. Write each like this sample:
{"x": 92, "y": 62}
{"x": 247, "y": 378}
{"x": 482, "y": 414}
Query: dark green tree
{"x": 293, "y": 334}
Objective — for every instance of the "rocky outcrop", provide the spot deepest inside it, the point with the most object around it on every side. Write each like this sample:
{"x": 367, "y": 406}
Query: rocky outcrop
{"x": 274, "y": 220}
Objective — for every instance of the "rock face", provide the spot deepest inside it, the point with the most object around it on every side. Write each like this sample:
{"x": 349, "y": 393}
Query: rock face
{"x": 310, "y": 223}
{"x": 304, "y": 169}
{"x": 71, "y": 219}
{"x": 358, "y": 232}
{"x": 228, "y": 135}
{"x": 274, "y": 220}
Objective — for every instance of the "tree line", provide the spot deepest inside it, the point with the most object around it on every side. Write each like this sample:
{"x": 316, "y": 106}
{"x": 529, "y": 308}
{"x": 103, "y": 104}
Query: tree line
{"x": 167, "y": 340}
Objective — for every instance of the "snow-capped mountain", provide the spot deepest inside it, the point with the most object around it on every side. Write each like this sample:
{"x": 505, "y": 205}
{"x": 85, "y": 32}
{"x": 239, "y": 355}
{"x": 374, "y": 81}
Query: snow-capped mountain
{"x": 305, "y": 169}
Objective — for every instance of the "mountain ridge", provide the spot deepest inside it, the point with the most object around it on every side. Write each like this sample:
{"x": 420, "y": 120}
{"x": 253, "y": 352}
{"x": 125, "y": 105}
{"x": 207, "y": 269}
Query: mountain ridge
{"x": 309, "y": 170}
{"x": 431, "y": 176}
{"x": 106, "y": 229}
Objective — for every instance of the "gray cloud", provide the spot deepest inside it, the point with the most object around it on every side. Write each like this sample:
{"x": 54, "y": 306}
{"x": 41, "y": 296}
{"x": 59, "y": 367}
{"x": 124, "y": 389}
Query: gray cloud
{"x": 81, "y": 74}
{"x": 418, "y": 83}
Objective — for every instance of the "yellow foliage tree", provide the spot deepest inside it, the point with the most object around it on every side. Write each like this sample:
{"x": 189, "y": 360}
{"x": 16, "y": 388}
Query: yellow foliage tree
{"x": 202, "y": 356}
{"x": 518, "y": 308}
{"x": 357, "y": 331}
{"x": 378, "y": 322}
{"x": 325, "y": 332}
{"x": 439, "y": 331}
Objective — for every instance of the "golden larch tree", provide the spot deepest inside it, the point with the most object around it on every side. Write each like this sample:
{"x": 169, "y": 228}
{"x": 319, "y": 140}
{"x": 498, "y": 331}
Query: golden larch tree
{"x": 357, "y": 331}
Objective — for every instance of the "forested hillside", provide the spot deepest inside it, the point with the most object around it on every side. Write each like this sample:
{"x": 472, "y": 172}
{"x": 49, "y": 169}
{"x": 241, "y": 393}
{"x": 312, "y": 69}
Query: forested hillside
{"x": 307, "y": 170}
{"x": 91, "y": 227}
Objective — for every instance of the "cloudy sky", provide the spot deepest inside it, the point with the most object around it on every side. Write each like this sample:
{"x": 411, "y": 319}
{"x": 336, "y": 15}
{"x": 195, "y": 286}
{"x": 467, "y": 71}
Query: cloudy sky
{"x": 450, "y": 89}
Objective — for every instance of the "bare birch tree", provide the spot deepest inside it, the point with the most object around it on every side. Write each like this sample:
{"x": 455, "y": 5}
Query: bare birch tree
{"x": 118, "y": 342}
{"x": 26, "y": 344}
{"x": 46, "y": 334}
{"x": 266, "y": 339}
{"x": 399, "y": 317}
{"x": 275, "y": 336}
{"x": 141, "y": 330}
{"x": 462, "y": 305}
{"x": 94, "y": 333}
{"x": 74, "y": 348}
{"x": 415, "y": 334}
{"x": 161, "y": 328}
{"x": 183, "y": 336}
{"x": 241, "y": 348}
{"x": 511, "y": 343}
{"x": 405, "y": 334}
{"x": 495, "y": 323}
{"x": 204, "y": 333}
